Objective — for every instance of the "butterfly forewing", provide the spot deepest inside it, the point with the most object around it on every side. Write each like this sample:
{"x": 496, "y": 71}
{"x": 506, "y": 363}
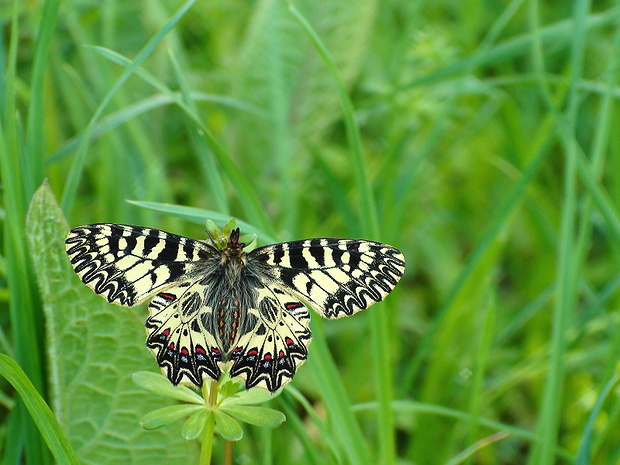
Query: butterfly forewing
{"x": 337, "y": 277}
{"x": 216, "y": 310}
{"x": 128, "y": 264}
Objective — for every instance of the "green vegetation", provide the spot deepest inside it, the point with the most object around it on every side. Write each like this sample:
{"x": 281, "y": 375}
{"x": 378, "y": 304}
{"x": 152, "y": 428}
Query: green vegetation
{"x": 477, "y": 137}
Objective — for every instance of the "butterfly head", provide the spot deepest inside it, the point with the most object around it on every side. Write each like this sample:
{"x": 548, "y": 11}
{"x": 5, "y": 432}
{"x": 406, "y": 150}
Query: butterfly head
{"x": 233, "y": 258}
{"x": 233, "y": 241}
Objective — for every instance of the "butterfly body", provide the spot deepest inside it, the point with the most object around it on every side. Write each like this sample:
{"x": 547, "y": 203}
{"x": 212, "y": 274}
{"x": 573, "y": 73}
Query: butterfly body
{"x": 223, "y": 309}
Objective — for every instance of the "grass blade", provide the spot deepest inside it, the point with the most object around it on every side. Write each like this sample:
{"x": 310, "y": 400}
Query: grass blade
{"x": 33, "y": 153}
{"x": 369, "y": 225}
{"x": 344, "y": 425}
{"x": 40, "y": 412}
{"x": 75, "y": 173}
{"x": 24, "y": 315}
{"x": 567, "y": 260}
{"x": 199, "y": 215}
{"x": 585, "y": 446}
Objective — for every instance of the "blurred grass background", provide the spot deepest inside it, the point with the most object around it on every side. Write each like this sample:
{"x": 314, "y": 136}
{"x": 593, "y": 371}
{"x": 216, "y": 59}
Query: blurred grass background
{"x": 483, "y": 146}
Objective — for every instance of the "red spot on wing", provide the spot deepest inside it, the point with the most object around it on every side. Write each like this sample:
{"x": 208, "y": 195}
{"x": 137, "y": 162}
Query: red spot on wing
{"x": 267, "y": 357}
{"x": 200, "y": 350}
{"x": 292, "y": 305}
{"x": 168, "y": 297}
{"x": 252, "y": 352}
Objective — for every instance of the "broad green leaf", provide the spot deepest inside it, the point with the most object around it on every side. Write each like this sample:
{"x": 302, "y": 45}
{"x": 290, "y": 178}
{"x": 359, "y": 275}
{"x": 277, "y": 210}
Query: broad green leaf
{"x": 166, "y": 415}
{"x": 259, "y": 416}
{"x": 227, "y": 426}
{"x": 158, "y": 384}
{"x": 251, "y": 396}
{"x": 195, "y": 424}
{"x": 93, "y": 348}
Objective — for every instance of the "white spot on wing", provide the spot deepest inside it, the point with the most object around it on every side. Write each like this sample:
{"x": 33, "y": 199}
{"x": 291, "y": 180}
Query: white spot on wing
{"x": 135, "y": 275}
{"x": 139, "y": 248}
{"x": 312, "y": 263}
{"x": 329, "y": 257}
{"x": 155, "y": 251}
{"x": 126, "y": 262}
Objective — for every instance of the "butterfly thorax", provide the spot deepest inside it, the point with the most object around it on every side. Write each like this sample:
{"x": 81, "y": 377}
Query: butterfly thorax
{"x": 233, "y": 263}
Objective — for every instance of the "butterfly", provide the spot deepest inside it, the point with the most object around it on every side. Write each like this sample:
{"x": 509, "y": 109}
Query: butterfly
{"x": 214, "y": 307}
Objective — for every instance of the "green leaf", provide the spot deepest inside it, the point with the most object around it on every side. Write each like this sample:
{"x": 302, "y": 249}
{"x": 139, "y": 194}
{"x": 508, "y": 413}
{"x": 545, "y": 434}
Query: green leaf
{"x": 93, "y": 348}
{"x": 229, "y": 387}
{"x": 259, "y": 416}
{"x": 39, "y": 411}
{"x": 165, "y": 416}
{"x": 250, "y": 396}
{"x": 160, "y": 385}
{"x": 194, "y": 425}
{"x": 227, "y": 426}
{"x": 199, "y": 215}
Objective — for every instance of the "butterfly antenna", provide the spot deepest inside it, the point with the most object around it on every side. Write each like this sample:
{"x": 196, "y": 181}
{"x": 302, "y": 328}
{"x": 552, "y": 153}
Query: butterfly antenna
{"x": 234, "y": 243}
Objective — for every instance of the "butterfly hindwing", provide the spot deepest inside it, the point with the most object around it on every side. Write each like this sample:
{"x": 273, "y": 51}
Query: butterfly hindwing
{"x": 337, "y": 277}
{"x": 128, "y": 264}
{"x": 176, "y": 334}
{"x": 269, "y": 354}
{"x": 187, "y": 336}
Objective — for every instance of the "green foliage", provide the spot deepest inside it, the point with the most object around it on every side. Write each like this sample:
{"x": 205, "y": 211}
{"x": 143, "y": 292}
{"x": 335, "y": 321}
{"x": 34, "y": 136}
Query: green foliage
{"x": 223, "y": 403}
{"x": 231, "y": 398}
{"x": 477, "y": 137}
{"x": 89, "y": 369}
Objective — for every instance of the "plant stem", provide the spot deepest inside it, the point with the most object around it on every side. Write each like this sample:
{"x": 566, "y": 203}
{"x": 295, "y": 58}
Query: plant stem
{"x": 207, "y": 435}
{"x": 228, "y": 453}
{"x": 212, "y": 394}
{"x": 207, "y": 441}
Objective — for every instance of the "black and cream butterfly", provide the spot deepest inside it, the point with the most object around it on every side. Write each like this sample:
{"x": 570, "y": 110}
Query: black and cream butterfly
{"x": 215, "y": 309}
